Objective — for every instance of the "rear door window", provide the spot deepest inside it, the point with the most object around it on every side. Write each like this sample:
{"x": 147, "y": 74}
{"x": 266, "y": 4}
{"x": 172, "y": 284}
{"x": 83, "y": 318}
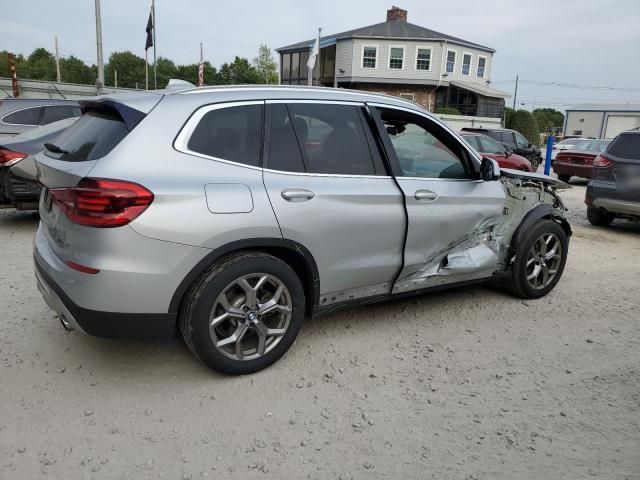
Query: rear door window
{"x": 27, "y": 116}
{"x": 332, "y": 138}
{"x": 93, "y": 136}
{"x": 284, "y": 152}
{"x": 507, "y": 137}
{"x": 233, "y": 134}
{"x": 626, "y": 145}
{"x": 59, "y": 112}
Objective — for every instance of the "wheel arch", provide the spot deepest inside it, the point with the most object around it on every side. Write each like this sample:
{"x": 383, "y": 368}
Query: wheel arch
{"x": 537, "y": 213}
{"x": 294, "y": 254}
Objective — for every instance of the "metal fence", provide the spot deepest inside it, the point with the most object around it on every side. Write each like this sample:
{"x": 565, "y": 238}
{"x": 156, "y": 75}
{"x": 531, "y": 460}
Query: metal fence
{"x": 46, "y": 89}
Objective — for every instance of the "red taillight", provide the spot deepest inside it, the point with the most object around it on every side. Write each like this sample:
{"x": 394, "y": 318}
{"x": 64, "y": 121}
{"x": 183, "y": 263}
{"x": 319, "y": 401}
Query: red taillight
{"x": 603, "y": 161}
{"x": 101, "y": 202}
{"x": 10, "y": 157}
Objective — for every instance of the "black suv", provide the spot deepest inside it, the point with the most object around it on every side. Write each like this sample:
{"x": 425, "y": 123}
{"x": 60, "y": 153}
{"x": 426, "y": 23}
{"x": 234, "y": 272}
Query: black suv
{"x": 614, "y": 189}
{"x": 514, "y": 141}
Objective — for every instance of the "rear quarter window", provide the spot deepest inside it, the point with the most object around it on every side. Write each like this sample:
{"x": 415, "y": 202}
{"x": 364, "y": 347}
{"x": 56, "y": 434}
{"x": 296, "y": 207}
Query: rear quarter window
{"x": 27, "y": 116}
{"x": 626, "y": 145}
{"x": 59, "y": 112}
{"x": 92, "y": 136}
{"x": 233, "y": 133}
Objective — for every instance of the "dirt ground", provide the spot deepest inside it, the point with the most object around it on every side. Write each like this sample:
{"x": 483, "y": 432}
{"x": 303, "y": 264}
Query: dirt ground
{"x": 466, "y": 384}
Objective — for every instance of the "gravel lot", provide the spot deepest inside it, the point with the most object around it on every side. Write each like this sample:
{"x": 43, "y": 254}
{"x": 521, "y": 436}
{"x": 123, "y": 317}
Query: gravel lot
{"x": 469, "y": 383}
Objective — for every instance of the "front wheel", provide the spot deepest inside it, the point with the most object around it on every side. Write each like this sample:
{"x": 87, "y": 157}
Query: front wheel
{"x": 540, "y": 260}
{"x": 243, "y": 314}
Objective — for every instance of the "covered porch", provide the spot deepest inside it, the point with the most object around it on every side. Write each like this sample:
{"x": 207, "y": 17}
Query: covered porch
{"x": 472, "y": 99}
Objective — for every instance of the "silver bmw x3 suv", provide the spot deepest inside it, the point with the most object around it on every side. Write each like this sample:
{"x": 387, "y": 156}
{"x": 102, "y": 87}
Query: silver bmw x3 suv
{"x": 233, "y": 213}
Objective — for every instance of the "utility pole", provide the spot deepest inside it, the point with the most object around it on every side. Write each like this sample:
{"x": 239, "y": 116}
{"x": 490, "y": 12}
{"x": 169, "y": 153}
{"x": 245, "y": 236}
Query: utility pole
{"x": 515, "y": 93}
{"x": 155, "y": 70}
{"x": 115, "y": 78}
{"x": 100, "y": 82}
{"x": 57, "y": 60}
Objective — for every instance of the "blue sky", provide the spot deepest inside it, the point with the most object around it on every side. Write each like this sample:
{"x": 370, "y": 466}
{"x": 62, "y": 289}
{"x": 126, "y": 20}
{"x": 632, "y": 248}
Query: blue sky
{"x": 580, "y": 42}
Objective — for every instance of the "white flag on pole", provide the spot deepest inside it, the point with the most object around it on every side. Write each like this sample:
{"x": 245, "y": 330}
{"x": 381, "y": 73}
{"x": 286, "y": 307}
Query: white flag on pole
{"x": 314, "y": 53}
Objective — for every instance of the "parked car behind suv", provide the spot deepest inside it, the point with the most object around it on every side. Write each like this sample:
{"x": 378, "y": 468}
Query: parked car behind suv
{"x": 614, "y": 189}
{"x": 18, "y": 185}
{"x": 235, "y": 212}
{"x": 18, "y": 115}
{"x": 514, "y": 141}
{"x": 578, "y": 160}
{"x": 488, "y": 147}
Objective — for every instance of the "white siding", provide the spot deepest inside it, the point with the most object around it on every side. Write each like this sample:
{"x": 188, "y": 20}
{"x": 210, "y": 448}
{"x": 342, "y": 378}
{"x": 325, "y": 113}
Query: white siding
{"x": 344, "y": 58}
{"x": 589, "y": 122}
{"x": 409, "y": 71}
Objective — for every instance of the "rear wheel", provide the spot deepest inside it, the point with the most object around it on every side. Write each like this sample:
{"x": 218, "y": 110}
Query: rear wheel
{"x": 243, "y": 314}
{"x": 598, "y": 217}
{"x": 540, "y": 260}
{"x": 564, "y": 178}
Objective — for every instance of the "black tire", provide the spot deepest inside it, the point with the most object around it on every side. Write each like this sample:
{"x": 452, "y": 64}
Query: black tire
{"x": 202, "y": 296}
{"x": 519, "y": 285}
{"x": 564, "y": 178}
{"x": 599, "y": 218}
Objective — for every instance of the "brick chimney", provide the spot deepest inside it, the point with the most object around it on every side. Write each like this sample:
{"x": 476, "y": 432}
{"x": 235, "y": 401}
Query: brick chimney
{"x": 396, "y": 14}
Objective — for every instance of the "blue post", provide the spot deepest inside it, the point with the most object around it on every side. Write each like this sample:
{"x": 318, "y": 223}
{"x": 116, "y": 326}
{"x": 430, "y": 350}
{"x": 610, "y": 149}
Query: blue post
{"x": 547, "y": 161}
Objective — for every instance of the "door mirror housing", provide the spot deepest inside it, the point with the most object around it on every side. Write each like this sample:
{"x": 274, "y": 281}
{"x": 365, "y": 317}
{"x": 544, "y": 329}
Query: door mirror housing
{"x": 489, "y": 169}
{"x": 508, "y": 152}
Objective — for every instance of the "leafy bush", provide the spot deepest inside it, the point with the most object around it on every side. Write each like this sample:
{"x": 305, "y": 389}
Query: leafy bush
{"x": 525, "y": 123}
{"x": 447, "y": 111}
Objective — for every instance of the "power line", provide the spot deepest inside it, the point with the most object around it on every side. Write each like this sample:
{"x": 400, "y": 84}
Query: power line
{"x": 571, "y": 85}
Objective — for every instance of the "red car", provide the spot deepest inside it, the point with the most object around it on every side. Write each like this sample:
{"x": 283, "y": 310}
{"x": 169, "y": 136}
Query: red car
{"x": 578, "y": 161}
{"x": 488, "y": 147}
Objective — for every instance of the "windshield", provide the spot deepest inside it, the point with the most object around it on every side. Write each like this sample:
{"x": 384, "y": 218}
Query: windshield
{"x": 592, "y": 145}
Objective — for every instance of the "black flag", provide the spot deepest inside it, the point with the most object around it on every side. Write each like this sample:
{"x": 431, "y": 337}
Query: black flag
{"x": 149, "y": 42}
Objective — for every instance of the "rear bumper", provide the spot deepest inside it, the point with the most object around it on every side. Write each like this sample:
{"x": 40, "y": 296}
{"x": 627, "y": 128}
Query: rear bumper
{"x": 604, "y": 195}
{"x": 18, "y": 192}
{"x": 620, "y": 207}
{"x": 561, "y": 168}
{"x": 99, "y": 323}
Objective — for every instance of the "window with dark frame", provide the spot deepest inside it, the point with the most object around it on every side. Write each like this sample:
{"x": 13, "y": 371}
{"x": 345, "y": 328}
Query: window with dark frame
{"x": 466, "y": 64}
{"x": 27, "y": 116}
{"x": 369, "y": 57}
{"x": 396, "y": 58}
{"x": 423, "y": 59}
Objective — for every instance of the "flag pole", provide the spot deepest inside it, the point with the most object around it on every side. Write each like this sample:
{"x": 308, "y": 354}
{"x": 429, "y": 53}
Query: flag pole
{"x": 319, "y": 60}
{"x": 146, "y": 69}
{"x": 155, "y": 70}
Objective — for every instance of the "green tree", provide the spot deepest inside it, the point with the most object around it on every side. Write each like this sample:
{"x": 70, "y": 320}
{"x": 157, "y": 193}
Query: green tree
{"x": 508, "y": 116}
{"x": 548, "y": 118}
{"x": 239, "y": 72}
{"x": 265, "y": 65}
{"x": 190, "y": 73}
{"x": 74, "y": 70}
{"x": 525, "y": 123}
{"x": 4, "y": 64}
{"x": 166, "y": 70}
{"x": 130, "y": 70}
{"x": 40, "y": 65}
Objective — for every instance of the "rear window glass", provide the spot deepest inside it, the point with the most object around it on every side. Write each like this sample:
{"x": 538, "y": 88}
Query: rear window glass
{"x": 93, "y": 136}
{"x": 233, "y": 134}
{"x": 55, "y": 113}
{"x": 28, "y": 116}
{"x": 626, "y": 145}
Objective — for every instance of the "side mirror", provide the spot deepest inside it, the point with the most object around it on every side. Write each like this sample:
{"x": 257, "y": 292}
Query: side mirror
{"x": 529, "y": 145}
{"x": 508, "y": 152}
{"x": 489, "y": 169}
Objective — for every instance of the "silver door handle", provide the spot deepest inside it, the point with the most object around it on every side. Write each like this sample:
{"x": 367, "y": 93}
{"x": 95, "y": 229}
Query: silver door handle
{"x": 297, "y": 194}
{"x": 425, "y": 196}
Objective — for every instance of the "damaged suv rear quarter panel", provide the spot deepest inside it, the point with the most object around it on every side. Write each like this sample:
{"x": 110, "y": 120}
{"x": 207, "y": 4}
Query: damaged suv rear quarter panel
{"x": 490, "y": 247}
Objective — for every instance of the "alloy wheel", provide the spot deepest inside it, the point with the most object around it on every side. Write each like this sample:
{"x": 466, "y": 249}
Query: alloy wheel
{"x": 543, "y": 262}
{"x": 250, "y": 316}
